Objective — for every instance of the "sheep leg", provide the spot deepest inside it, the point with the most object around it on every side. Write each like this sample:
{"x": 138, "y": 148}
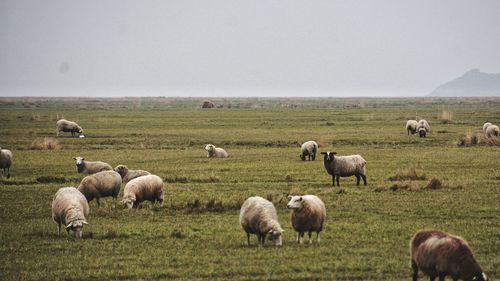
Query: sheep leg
{"x": 161, "y": 201}
{"x": 338, "y": 178}
{"x": 432, "y": 277}
{"x": 114, "y": 202}
{"x": 415, "y": 270}
{"x": 298, "y": 237}
{"x": 58, "y": 229}
{"x": 364, "y": 179}
{"x": 8, "y": 173}
{"x": 309, "y": 234}
{"x": 98, "y": 202}
{"x": 357, "y": 179}
{"x": 248, "y": 239}
{"x": 314, "y": 156}
{"x": 301, "y": 239}
{"x": 442, "y": 275}
{"x": 333, "y": 180}
{"x": 318, "y": 238}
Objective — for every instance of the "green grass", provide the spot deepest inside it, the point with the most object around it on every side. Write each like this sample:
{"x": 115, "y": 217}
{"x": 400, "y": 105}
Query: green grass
{"x": 196, "y": 234}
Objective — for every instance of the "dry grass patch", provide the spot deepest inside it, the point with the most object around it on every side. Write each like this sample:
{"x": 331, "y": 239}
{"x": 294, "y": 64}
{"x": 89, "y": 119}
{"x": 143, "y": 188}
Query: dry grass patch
{"x": 469, "y": 139}
{"x": 409, "y": 174}
{"x": 446, "y": 117}
{"x": 45, "y": 143}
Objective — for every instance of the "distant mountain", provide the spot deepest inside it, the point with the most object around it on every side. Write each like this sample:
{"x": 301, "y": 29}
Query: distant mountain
{"x": 473, "y": 83}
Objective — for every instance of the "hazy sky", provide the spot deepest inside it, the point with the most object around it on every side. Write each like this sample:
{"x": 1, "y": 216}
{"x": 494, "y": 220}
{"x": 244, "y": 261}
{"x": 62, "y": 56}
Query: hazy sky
{"x": 243, "y": 48}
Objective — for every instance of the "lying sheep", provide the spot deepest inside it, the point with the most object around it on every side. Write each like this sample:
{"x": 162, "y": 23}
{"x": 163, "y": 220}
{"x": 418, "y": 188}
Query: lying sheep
{"x": 215, "y": 151}
{"x": 344, "y": 166}
{"x": 308, "y": 148}
{"x": 423, "y": 128}
{"x": 128, "y": 175}
{"x": 258, "y": 216}
{"x": 5, "y": 161}
{"x": 89, "y": 167}
{"x": 437, "y": 253}
{"x": 70, "y": 208}
{"x": 486, "y": 125}
{"x": 492, "y": 131}
{"x": 102, "y": 184}
{"x": 148, "y": 187}
{"x": 411, "y": 126}
{"x": 308, "y": 215}
{"x": 64, "y": 125}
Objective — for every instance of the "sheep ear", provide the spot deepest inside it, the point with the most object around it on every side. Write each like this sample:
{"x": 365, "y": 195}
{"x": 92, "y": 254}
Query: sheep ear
{"x": 324, "y": 153}
{"x": 290, "y": 197}
{"x": 334, "y": 153}
{"x": 83, "y": 158}
{"x": 85, "y": 222}
{"x": 74, "y": 158}
{"x": 69, "y": 225}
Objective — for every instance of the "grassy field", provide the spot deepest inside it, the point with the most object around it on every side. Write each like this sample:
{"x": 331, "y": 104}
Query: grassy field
{"x": 196, "y": 234}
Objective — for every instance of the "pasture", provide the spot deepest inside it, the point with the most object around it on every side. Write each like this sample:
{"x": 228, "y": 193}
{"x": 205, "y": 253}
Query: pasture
{"x": 196, "y": 234}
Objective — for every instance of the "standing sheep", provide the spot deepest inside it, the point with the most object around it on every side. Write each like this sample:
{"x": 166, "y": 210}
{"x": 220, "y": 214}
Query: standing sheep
{"x": 308, "y": 215}
{"x": 102, "y": 184}
{"x": 492, "y": 131}
{"x": 308, "y": 148}
{"x": 70, "y": 208}
{"x": 208, "y": 104}
{"x": 148, "y": 187}
{"x": 215, "y": 151}
{"x": 128, "y": 175}
{"x": 423, "y": 128}
{"x": 438, "y": 254}
{"x": 5, "y": 161}
{"x": 486, "y": 125}
{"x": 411, "y": 126}
{"x": 64, "y": 125}
{"x": 89, "y": 167}
{"x": 344, "y": 166}
{"x": 258, "y": 216}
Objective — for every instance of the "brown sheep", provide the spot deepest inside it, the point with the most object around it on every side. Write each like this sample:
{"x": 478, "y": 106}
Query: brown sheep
{"x": 439, "y": 254}
{"x": 308, "y": 215}
{"x": 208, "y": 104}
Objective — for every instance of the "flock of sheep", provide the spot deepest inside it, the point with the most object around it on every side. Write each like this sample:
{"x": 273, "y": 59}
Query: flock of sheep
{"x": 435, "y": 253}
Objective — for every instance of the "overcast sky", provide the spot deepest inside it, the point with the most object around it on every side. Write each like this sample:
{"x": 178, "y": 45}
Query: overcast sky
{"x": 243, "y": 48}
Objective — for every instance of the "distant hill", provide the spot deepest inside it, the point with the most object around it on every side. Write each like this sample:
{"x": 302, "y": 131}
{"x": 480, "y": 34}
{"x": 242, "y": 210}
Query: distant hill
{"x": 473, "y": 83}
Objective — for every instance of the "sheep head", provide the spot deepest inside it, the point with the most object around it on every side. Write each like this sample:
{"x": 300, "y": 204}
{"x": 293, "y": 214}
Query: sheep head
{"x": 76, "y": 227}
{"x": 328, "y": 156}
{"x": 275, "y": 236}
{"x": 296, "y": 202}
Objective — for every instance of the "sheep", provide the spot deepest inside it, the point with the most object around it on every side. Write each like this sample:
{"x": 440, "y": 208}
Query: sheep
{"x": 208, "y": 104}
{"x": 148, "y": 187}
{"x": 308, "y": 148}
{"x": 423, "y": 128}
{"x": 486, "y": 125}
{"x": 258, "y": 216}
{"x": 344, "y": 166}
{"x": 128, "y": 175}
{"x": 64, "y": 125}
{"x": 438, "y": 253}
{"x": 215, "y": 151}
{"x": 308, "y": 215}
{"x": 492, "y": 131}
{"x": 70, "y": 208}
{"x": 5, "y": 161}
{"x": 102, "y": 184}
{"x": 89, "y": 167}
{"x": 411, "y": 126}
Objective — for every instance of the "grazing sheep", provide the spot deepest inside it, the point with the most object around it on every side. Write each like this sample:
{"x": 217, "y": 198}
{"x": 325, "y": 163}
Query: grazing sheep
{"x": 423, "y": 128}
{"x": 258, "y": 216}
{"x": 486, "y": 125}
{"x": 344, "y": 166}
{"x": 215, "y": 151}
{"x": 308, "y": 215}
{"x": 411, "y": 126}
{"x": 89, "y": 167}
{"x": 148, "y": 187}
{"x": 492, "y": 131}
{"x": 70, "y": 208}
{"x": 438, "y": 253}
{"x": 308, "y": 148}
{"x": 128, "y": 175}
{"x": 208, "y": 104}
{"x": 5, "y": 161}
{"x": 102, "y": 184}
{"x": 64, "y": 125}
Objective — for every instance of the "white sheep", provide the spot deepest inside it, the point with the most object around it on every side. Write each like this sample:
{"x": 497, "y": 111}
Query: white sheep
{"x": 439, "y": 254}
{"x": 492, "y": 131}
{"x": 64, "y": 125}
{"x": 308, "y": 215}
{"x": 344, "y": 166}
{"x": 423, "y": 128}
{"x": 486, "y": 125}
{"x": 90, "y": 167}
{"x": 309, "y": 149}
{"x": 5, "y": 161}
{"x": 215, "y": 151}
{"x": 258, "y": 216}
{"x": 101, "y": 184}
{"x": 148, "y": 187}
{"x": 411, "y": 126}
{"x": 71, "y": 209}
{"x": 128, "y": 175}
